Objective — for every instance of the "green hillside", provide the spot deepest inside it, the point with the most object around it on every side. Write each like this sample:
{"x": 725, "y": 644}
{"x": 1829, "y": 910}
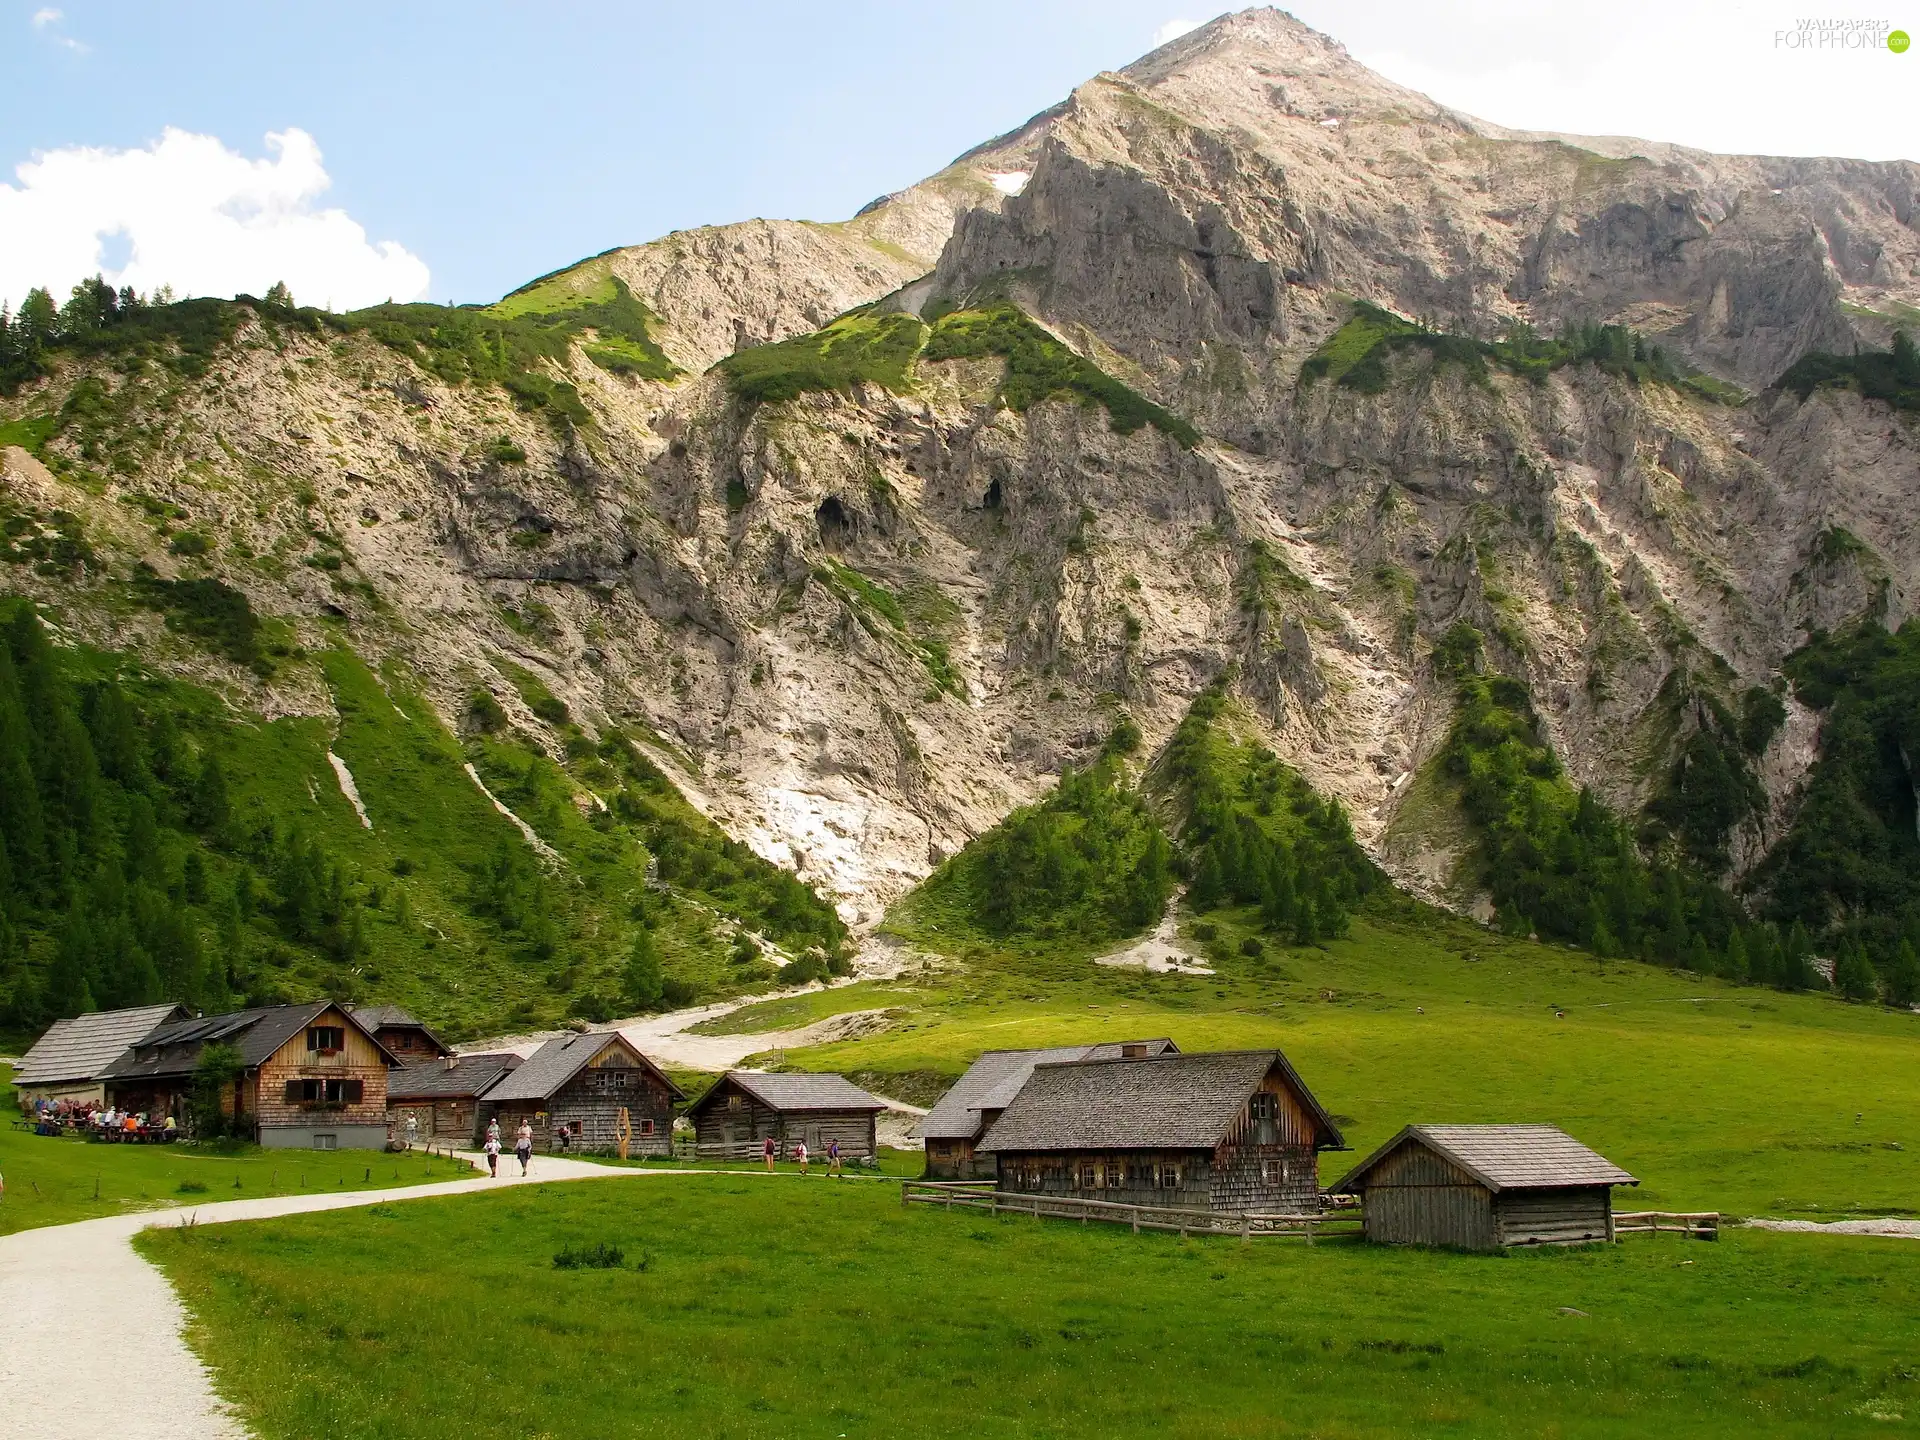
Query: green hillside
{"x": 155, "y": 844}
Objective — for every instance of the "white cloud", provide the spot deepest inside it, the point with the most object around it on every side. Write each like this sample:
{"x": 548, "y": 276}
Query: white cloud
{"x": 45, "y": 19}
{"x": 1173, "y": 30}
{"x": 199, "y": 217}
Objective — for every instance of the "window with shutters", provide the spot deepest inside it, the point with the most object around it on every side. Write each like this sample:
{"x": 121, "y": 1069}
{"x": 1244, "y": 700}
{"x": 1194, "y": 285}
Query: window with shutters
{"x": 325, "y": 1092}
{"x": 1266, "y": 1106}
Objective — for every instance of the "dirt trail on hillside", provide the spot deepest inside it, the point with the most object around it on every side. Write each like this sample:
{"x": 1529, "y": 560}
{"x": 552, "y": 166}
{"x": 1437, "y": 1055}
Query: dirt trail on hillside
{"x": 95, "y": 1344}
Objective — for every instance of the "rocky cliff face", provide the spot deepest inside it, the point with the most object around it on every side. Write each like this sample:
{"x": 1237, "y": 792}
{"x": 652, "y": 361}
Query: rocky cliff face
{"x": 866, "y": 623}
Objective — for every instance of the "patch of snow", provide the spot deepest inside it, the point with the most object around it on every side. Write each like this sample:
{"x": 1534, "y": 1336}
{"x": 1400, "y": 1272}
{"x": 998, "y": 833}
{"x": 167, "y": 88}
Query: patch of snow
{"x": 349, "y": 789}
{"x": 546, "y": 851}
{"x": 1010, "y": 182}
{"x": 1888, "y": 1228}
{"x": 1331, "y": 121}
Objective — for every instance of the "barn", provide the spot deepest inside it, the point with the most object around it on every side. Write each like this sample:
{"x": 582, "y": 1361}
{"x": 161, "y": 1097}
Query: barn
{"x": 442, "y": 1097}
{"x": 951, "y": 1130}
{"x": 573, "y": 1090}
{"x": 1231, "y": 1131}
{"x": 746, "y": 1108}
{"x": 1485, "y": 1187}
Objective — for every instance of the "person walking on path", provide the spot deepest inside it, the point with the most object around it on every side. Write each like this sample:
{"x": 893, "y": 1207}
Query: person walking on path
{"x": 833, "y": 1159}
{"x": 523, "y": 1145}
{"x": 493, "y": 1152}
{"x": 413, "y": 1130}
{"x": 767, "y": 1150}
{"x": 800, "y": 1154}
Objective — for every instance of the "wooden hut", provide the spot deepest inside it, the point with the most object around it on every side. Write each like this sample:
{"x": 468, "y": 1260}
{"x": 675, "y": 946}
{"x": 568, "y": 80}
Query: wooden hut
{"x": 67, "y": 1062}
{"x": 951, "y": 1130}
{"x": 1485, "y": 1187}
{"x": 407, "y": 1038}
{"x": 442, "y": 1097}
{"x": 746, "y": 1108}
{"x": 311, "y": 1076}
{"x": 572, "y": 1091}
{"x": 1232, "y": 1131}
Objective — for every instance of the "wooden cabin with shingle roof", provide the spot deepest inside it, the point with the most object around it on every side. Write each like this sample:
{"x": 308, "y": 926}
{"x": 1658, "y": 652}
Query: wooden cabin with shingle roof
{"x": 746, "y": 1108}
{"x": 68, "y": 1061}
{"x": 311, "y": 1077}
{"x": 952, "y": 1129}
{"x": 572, "y": 1091}
{"x": 1234, "y": 1131}
{"x": 408, "y": 1039}
{"x": 1485, "y": 1187}
{"x": 442, "y": 1097}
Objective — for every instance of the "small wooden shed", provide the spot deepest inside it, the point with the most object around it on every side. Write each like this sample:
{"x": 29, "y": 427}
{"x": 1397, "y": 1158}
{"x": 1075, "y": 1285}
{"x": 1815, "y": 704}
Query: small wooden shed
{"x": 746, "y": 1108}
{"x": 1485, "y": 1187}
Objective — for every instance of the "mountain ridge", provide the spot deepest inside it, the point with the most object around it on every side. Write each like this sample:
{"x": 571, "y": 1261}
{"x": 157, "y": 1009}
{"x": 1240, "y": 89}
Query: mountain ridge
{"x": 862, "y": 622}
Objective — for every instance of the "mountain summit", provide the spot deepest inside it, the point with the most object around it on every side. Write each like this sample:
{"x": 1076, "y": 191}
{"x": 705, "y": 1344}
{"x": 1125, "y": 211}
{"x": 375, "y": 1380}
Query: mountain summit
{"x": 1241, "y": 373}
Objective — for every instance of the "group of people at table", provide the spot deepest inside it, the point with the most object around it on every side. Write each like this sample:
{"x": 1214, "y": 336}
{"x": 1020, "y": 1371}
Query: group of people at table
{"x": 89, "y": 1118}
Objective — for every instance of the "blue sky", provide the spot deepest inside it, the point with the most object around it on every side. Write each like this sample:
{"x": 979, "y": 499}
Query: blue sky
{"x": 487, "y": 143}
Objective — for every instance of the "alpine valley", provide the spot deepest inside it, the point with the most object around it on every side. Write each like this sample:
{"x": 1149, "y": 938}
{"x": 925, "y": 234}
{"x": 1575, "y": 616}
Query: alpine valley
{"x": 1248, "y": 475}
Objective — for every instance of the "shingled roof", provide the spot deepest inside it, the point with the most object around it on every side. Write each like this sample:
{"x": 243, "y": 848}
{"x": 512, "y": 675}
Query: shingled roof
{"x": 997, "y": 1076}
{"x": 1174, "y": 1102}
{"x": 544, "y": 1073}
{"x": 81, "y": 1048}
{"x": 174, "y": 1050}
{"x": 1502, "y": 1157}
{"x": 469, "y": 1077}
{"x": 378, "y": 1017}
{"x": 797, "y": 1091}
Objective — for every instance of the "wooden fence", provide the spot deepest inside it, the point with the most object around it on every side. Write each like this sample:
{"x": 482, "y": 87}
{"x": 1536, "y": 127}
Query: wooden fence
{"x": 1700, "y": 1224}
{"x": 978, "y": 1195}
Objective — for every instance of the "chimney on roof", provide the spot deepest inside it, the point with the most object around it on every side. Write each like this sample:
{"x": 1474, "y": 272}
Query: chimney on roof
{"x": 452, "y": 1060}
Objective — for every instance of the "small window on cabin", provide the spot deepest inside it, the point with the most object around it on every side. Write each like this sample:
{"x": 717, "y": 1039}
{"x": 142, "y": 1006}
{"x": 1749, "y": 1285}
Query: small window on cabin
{"x": 1133, "y": 1052}
{"x": 1266, "y": 1106}
{"x": 736, "y": 1102}
{"x": 620, "y": 1080}
{"x": 1169, "y": 1177}
{"x": 1270, "y": 1173}
{"x": 326, "y": 1039}
{"x": 1089, "y": 1176}
{"x": 326, "y": 1142}
{"x": 572, "y": 1127}
{"x": 646, "y": 1127}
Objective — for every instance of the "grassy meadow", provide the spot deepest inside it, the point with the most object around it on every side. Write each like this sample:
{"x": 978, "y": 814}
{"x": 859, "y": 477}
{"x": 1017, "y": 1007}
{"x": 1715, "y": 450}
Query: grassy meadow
{"x": 52, "y": 1181}
{"x": 1740, "y": 1099}
{"x": 750, "y": 1307}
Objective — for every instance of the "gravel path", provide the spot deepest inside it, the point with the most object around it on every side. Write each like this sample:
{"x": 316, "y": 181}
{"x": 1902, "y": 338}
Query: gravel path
{"x": 1887, "y": 1227}
{"x": 93, "y": 1332}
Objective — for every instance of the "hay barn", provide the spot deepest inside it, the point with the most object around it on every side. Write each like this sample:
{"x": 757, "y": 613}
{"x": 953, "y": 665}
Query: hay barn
{"x": 1485, "y": 1187}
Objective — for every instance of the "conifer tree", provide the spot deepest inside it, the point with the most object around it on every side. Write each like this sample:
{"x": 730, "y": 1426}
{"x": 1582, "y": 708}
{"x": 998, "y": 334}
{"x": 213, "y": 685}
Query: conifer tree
{"x": 1853, "y": 975}
{"x": 1903, "y": 976}
{"x": 1736, "y": 964}
{"x": 1700, "y": 958}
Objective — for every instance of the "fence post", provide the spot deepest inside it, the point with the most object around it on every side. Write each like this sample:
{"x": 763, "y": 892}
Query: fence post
{"x": 1246, "y": 1228}
{"x": 1309, "y": 1229}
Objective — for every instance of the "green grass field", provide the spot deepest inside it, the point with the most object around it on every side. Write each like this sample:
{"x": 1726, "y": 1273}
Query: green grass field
{"x": 1738, "y": 1099}
{"x": 50, "y": 1182}
{"x": 751, "y": 1307}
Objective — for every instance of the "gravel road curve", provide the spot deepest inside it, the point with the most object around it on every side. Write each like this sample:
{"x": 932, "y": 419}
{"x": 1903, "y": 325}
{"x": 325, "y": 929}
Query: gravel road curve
{"x": 93, "y": 1344}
